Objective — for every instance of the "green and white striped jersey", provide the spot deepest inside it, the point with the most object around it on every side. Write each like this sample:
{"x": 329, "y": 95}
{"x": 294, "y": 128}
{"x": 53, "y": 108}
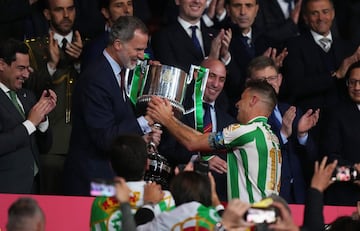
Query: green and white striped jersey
{"x": 254, "y": 159}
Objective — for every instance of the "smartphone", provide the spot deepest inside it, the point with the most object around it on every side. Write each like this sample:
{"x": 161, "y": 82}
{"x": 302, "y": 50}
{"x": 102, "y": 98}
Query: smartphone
{"x": 102, "y": 188}
{"x": 201, "y": 167}
{"x": 344, "y": 173}
{"x": 261, "y": 215}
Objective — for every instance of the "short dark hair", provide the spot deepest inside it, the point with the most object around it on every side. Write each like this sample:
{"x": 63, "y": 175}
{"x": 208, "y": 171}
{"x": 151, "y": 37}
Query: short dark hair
{"x": 345, "y": 223}
{"x": 227, "y": 2}
{"x": 190, "y": 186}
{"x": 128, "y": 157}
{"x": 304, "y": 6}
{"x": 352, "y": 67}
{"x": 124, "y": 28}
{"x": 10, "y": 47}
{"x": 265, "y": 90}
{"x": 260, "y": 63}
{"x": 21, "y": 211}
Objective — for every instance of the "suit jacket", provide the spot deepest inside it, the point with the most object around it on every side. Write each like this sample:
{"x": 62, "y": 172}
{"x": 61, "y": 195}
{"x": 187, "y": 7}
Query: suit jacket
{"x": 178, "y": 154}
{"x": 296, "y": 160}
{"x": 341, "y": 141}
{"x": 173, "y": 46}
{"x": 18, "y": 150}
{"x": 100, "y": 114}
{"x": 307, "y": 78}
{"x": 94, "y": 49}
{"x": 240, "y": 58}
{"x": 276, "y": 28}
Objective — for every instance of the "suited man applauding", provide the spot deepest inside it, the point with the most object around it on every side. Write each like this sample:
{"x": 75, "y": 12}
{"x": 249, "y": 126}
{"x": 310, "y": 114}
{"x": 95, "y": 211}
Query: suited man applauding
{"x": 101, "y": 109}
{"x": 298, "y": 149}
{"x": 23, "y": 122}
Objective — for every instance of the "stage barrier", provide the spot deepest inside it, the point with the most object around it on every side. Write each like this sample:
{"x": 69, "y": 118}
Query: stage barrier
{"x": 72, "y": 213}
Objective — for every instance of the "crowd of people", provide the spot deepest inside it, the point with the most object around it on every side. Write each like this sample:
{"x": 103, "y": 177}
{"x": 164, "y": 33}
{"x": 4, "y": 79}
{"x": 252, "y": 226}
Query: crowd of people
{"x": 282, "y": 93}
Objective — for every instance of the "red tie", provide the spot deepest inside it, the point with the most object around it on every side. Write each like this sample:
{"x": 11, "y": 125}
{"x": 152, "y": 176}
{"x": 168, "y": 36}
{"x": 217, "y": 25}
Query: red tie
{"x": 207, "y": 118}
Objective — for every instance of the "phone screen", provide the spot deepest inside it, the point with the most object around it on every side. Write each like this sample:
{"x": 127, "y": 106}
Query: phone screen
{"x": 102, "y": 188}
{"x": 260, "y": 215}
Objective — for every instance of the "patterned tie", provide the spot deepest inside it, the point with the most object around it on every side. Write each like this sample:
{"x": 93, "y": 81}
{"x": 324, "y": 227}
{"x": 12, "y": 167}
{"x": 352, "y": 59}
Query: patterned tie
{"x": 247, "y": 43}
{"x": 207, "y": 118}
{"x": 195, "y": 39}
{"x": 13, "y": 98}
{"x": 325, "y": 44}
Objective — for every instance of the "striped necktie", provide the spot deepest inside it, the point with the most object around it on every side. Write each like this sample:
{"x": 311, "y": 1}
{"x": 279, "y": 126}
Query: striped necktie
{"x": 207, "y": 118}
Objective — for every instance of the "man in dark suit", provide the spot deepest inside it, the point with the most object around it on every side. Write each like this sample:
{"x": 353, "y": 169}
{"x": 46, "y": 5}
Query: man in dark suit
{"x": 317, "y": 62}
{"x": 298, "y": 149}
{"x": 23, "y": 122}
{"x": 102, "y": 110}
{"x": 177, "y": 45}
{"x": 279, "y": 20}
{"x": 341, "y": 140}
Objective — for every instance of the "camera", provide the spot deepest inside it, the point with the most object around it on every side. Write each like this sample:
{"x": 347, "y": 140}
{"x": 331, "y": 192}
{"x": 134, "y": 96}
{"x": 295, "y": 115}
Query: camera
{"x": 101, "y": 187}
{"x": 261, "y": 215}
{"x": 345, "y": 173}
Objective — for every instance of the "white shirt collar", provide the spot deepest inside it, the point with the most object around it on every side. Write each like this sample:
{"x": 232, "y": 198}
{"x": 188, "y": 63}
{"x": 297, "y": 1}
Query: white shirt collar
{"x": 248, "y": 34}
{"x": 59, "y": 37}
{"x": 317, "y": 37}
{"x": 358, "y": 105}
{"x": 4, "y": 88}
{"x": 114, "y": 65}
{"x": 186, "y": 25}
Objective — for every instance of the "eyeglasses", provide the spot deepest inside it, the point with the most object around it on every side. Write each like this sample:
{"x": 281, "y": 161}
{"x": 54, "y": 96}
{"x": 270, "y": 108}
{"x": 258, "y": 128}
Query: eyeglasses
{"x": 269, "y": 78}
{"x": 352, "y": 82}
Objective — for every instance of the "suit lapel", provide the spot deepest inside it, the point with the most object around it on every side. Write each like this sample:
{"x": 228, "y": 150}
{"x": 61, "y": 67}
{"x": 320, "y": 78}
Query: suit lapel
{"x": 10, "y": 107}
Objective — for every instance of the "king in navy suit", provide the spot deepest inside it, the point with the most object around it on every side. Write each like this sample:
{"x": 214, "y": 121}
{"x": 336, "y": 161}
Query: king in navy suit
{"x": 102, "y": 111}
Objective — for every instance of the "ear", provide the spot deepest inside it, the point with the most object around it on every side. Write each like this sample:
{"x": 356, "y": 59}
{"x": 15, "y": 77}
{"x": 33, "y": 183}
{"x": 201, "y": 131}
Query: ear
{"x": 177, "y": 2}
{"x": 254, "y": 100}
{"x": 2, "y": 65}
{"x": 46, "y": 13}
{"x": 105, "y": 13}
{"x": 118, "y": 44}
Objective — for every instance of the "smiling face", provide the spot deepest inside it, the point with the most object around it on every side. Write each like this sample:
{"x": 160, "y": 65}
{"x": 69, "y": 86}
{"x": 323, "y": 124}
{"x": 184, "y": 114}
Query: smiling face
{"x": 128, "y": 53}
{"x": 354, "y": 85}
{"x": 216, "y": 79}
{"x": 243, "y": 13}
{"x": 14, "y": 75}
{"x": 191, "y": 10}
{"x": 319, "y": 16}
{"x": 61, "y": 14}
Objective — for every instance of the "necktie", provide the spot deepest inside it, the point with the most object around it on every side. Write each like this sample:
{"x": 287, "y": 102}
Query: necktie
{"x": 64, "y": 44}
{"x": 12, "y": 95}
{"x": 247, "y": 43}
{"x": 122, "y": 83}
{"x": 289, "y": 2}
{"x": 207, "y": 118}
{"x": 195, "y": 39}
{"x": 325, "y": 44}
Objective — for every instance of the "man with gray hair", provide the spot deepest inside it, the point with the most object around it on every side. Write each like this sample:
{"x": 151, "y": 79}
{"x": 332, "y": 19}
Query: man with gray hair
{"x": 25, "y": 214}
{"x": 102, "y": 110}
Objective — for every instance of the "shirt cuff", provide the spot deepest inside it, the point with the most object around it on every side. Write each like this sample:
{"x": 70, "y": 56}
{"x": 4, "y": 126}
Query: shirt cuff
{"x": 221, "y": 16}
{"x": 144, "y": 125}
{"x": 303, "y": 139}
{"x": 30, "y": 127}
{"x": 50, "y": 70}
{"x": 208, "y": 22}
{"x": 227, "y": 61}
{"x": 43, "y": 126}
{"x": 283, "y": 138}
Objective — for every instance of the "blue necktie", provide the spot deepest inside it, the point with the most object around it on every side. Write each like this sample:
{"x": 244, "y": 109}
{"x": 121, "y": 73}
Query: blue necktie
{"x": 250, "y": 49}
{"x": 289, "y": 2}
{"x": 207, "y": 118}
{"x": 195, "y": 39}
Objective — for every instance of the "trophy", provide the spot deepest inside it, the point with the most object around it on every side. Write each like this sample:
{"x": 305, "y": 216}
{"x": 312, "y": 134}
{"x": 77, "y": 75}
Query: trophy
{"x": 166, "y": 82}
